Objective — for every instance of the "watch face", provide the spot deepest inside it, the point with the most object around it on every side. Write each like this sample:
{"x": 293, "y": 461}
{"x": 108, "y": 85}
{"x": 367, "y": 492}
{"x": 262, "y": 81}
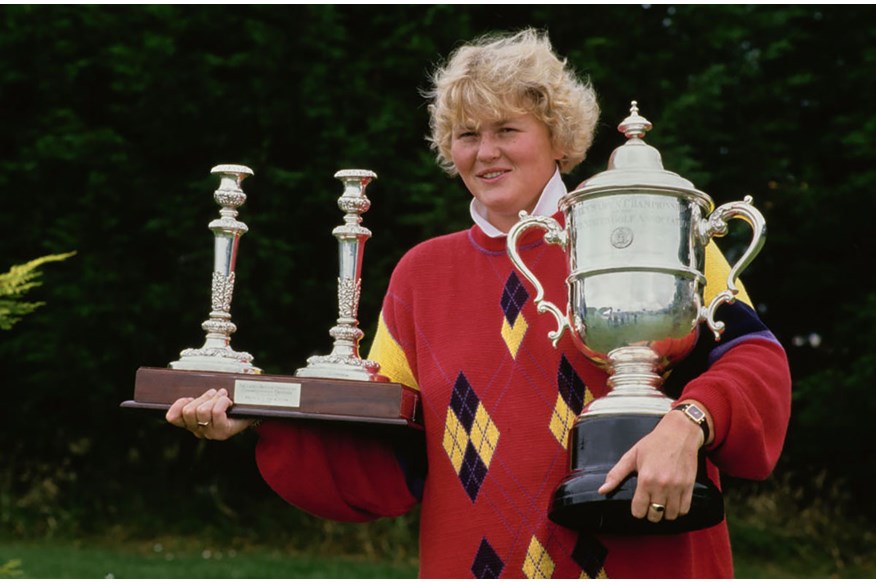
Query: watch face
{"x": 695, "y": 413}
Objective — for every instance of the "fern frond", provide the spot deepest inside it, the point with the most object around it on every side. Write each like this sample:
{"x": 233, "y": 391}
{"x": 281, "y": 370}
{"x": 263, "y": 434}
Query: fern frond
{"x": 11, "y": 569}
{"x": 21, "y": 278}
{"x": 18, "y": 280}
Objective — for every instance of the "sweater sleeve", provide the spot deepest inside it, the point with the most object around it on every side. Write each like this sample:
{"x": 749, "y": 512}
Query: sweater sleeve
{"x": 744, "y": 382}
{"x": 335, "y": 471}
{"x": 747, "y": 391}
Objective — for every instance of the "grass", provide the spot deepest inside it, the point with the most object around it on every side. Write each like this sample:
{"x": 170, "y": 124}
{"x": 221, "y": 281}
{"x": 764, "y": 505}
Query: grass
{"x": 759, "y": 552}
{"x": 774, "y": 534}
{"x": 778, "y": 554}
{"x": 181, "y": 559}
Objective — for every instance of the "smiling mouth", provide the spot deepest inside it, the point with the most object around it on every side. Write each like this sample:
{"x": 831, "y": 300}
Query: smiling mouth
{"x": 492, "y": 174}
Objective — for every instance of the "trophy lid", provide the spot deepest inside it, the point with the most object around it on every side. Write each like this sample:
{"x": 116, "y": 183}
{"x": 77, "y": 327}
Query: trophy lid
{"x": 637, "y": 164}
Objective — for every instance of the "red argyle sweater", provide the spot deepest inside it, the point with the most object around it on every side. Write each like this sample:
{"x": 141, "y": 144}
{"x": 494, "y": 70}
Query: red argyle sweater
{"x": 459, "y": 324}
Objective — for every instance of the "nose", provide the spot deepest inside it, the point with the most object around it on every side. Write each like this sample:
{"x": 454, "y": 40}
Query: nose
{"x": 488, "y": 148}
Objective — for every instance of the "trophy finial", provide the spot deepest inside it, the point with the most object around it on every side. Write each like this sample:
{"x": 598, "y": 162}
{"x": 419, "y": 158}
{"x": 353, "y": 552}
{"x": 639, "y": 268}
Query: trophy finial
{"x": 229, "y": 196}
{"x": 354, "y": 201}
{"x": 634, "y": 125}
{"x": 635, "y": 162}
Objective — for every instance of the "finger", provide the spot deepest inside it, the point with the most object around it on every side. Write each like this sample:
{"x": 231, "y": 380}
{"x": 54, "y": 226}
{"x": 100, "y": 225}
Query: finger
{"x": 220, "y": 406}
{"x": 640, "y": 505}
{"x": 673, "y": 507}
{"x": 685, "y": 501}
{"x": 619, "y": 472}
{"x": 190, "y": 410}
{"x": 174, "y": 413}
{"x": 221, "y": 425}
{"x": 656, "y": 512}
{"x": 205, "y": 410}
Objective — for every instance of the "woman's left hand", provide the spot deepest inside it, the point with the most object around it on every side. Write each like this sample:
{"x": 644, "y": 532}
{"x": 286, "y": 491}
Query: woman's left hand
{"x": 666, "y": 463}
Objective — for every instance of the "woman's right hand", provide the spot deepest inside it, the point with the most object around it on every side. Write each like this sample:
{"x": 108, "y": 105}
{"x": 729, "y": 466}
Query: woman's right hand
{"x": 207, "y": 416}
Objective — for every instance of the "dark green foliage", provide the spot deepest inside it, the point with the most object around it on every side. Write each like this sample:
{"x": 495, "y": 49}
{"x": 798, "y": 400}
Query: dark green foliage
{"x": 113, "y": 116}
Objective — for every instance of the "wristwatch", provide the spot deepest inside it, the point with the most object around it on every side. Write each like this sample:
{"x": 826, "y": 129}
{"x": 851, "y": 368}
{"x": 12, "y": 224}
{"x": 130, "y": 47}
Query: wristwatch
{"x": 697, "y": 416}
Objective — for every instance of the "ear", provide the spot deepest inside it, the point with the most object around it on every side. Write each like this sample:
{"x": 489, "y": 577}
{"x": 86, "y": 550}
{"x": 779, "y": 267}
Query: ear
{"x": 557, "y": 153}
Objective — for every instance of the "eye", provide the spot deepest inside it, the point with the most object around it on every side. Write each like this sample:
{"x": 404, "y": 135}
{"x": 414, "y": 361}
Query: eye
{"x": 463, "y": 134}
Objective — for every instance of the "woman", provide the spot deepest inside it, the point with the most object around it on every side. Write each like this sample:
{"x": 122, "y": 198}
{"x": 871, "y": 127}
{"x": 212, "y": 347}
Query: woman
{"x": 458, "y": 324}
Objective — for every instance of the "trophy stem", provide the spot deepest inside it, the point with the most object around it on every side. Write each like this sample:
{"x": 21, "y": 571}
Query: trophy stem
{"x": 216, "y": 354}
{"x": 344, "y": 361}
{"x": 634, "y": 385}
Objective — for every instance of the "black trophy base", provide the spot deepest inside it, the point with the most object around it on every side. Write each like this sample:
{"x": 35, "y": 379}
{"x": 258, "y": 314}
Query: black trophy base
{"x": 596, "y": 444}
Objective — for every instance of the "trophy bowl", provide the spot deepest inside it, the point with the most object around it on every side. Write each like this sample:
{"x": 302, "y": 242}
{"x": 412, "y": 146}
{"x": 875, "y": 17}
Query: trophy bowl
{"x": 635, "y": 237}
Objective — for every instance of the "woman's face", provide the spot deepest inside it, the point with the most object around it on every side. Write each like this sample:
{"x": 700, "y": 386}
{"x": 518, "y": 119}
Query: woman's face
{"x": 505, "y": 164}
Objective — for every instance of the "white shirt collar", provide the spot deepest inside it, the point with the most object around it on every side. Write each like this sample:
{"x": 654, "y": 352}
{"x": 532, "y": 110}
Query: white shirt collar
{"x": 547, "y": 205}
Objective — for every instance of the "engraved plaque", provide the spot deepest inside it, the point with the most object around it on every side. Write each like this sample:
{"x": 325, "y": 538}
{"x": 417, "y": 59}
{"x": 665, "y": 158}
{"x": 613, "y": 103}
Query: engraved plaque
{"x": 266, "y": 393}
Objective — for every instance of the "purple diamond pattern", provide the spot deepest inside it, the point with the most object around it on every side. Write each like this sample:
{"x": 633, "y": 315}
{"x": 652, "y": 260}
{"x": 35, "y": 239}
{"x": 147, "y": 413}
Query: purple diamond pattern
{"x": 514, "y": 296}
{"x": 570, "y": 386}
{"x": 487, "y": 563}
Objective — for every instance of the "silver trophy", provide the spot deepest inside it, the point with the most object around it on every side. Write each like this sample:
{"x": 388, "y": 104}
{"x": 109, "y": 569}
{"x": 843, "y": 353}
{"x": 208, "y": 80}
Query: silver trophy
{"x": 344, "y": 361}
{"x": 635, "y": 239}
{"x": 217, "y": 354}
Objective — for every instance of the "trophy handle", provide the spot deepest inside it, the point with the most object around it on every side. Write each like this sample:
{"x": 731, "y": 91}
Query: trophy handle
{"x": 716, "y": 226}
{"x": 555, "y": 234}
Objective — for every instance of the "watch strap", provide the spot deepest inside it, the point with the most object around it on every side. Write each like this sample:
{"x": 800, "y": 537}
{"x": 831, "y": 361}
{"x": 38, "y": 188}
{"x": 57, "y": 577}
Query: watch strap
{"x": 697, "y": 416}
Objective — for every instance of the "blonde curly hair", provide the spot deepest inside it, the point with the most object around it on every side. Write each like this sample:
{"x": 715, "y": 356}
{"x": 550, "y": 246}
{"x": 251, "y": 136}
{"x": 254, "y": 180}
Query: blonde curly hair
{"x": 508, "y": 74}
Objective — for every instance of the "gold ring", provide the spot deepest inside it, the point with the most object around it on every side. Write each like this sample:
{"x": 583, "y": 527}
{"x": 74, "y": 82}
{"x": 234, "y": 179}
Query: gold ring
{"x": 202, "y": 424}
{"x": 658, "y": 507}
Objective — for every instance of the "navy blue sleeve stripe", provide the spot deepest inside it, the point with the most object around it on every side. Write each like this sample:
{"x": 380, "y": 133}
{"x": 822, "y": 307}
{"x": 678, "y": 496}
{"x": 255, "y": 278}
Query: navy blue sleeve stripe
{"x": 741, "y": 324}
{"x": 722, "y": 348}
{"x": 411, "y": 456}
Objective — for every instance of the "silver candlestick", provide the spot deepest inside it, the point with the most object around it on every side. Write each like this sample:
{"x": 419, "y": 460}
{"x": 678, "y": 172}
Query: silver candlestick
{"x": 216, "y": 354}
{"x": 344, "y": 361}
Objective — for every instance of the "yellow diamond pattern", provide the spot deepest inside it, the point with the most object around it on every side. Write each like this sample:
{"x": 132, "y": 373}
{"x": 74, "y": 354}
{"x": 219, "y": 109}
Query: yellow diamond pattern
{"x": 561, "y": 421}
{"x": 484, "y": 435}
{"x": 588, "y": 397}
{"x": 455, "y": 439}
{"x": 563, "y": 417}
{"x": 513, "y": 335}
{"x": 538, "y": 563}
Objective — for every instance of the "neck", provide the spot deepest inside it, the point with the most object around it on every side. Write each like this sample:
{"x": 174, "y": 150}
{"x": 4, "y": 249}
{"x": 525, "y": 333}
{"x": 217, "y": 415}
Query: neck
{"x": 504, "y": 222}
{"x": 498, "y": 225}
